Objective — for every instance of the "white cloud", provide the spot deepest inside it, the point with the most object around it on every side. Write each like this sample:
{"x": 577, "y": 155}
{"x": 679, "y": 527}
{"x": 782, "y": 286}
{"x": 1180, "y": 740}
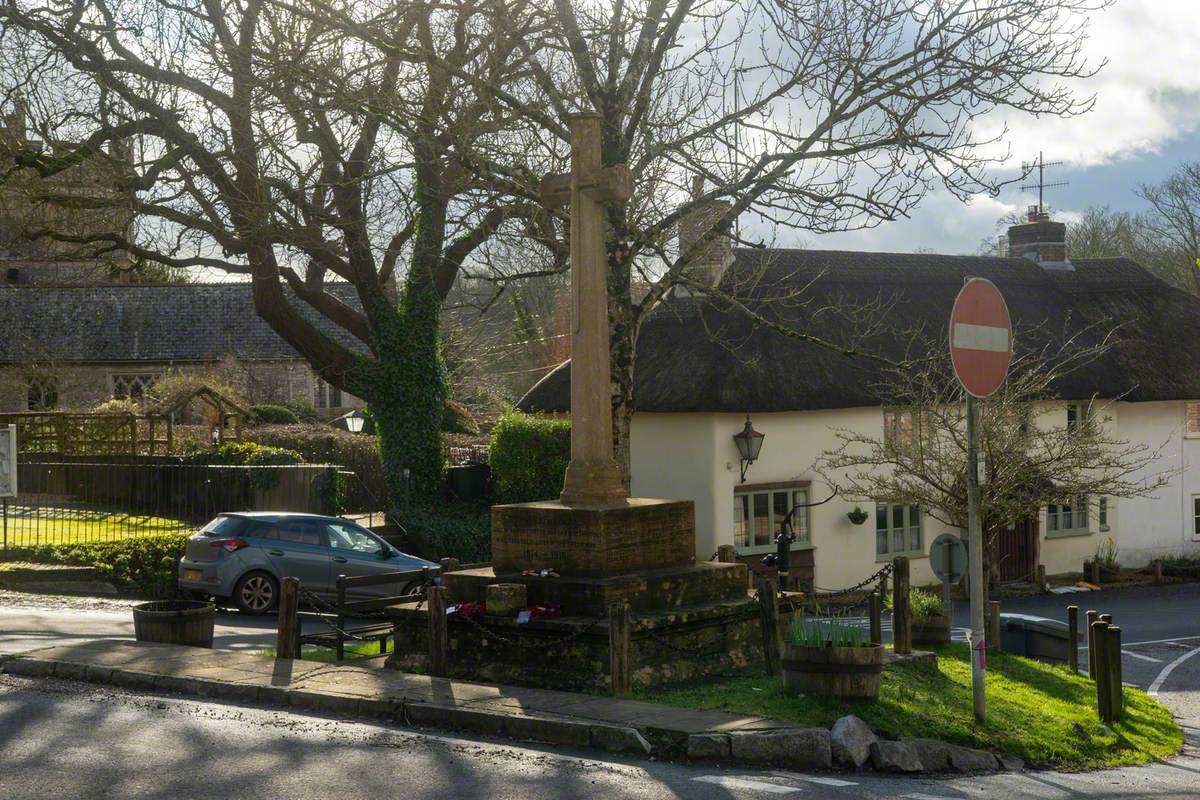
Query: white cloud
{"x": 1147, "y": 94}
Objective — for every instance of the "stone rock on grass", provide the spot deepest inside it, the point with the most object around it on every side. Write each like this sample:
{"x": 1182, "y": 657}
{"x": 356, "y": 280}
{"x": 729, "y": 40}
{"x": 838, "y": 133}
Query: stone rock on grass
{"x": 894, "y": 757}
{"x": 966, "y": 760}
{"x": 1011, "y": 763}
{"x": 851, "y": 739}
{"x": 801, "y": 748}
{"x": 933, "y": 754}
{"x": 708, "y": 746}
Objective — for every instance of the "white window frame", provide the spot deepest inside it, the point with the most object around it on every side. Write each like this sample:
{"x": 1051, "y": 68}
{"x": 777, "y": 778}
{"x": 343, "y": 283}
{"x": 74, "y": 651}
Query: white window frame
{"x": 1056, "y": 517}
{"x": 1103, "y": 508}
{"x": 894, "y": 433}
{"x": 1196, "y": 517}
{"x": 40, "y": 386}
{"x": 1191, "y": 412}
{"x": 1083, "y": 412}
{"x": 325, "y": 392}
{"x": 794, "y": 492}
{"x": 912, "y": 521}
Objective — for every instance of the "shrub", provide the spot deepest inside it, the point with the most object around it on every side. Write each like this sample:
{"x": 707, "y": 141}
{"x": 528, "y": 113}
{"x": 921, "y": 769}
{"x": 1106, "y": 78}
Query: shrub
{"x": 118, "y": 407}
{"x": 454, "y": 531}
{"x": 321, "y": 444}
{"x": 144, "y": 565}
{"x": 528, "y": 457}
{"x": 246, "y": 454}
{"x": 922, "y": 605}
{"x": 268, "y": 414}
{"x": 457, "y": 419}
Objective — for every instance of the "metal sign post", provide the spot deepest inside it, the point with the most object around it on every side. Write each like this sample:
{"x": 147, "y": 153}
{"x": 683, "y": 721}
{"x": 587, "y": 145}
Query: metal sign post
{"x": 8, "y": 473}
{"x": 948, "y": 560}
{"x": 980, "y": 350}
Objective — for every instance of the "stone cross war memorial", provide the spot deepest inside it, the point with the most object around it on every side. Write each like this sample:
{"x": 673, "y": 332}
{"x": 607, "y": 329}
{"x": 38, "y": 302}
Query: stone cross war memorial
{"x": 595, "y": 555}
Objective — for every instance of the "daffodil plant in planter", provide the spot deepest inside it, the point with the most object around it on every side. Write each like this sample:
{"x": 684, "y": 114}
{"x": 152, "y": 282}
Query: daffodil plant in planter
{"x": 831, "y": 655}
{"x": 857, "y": 516}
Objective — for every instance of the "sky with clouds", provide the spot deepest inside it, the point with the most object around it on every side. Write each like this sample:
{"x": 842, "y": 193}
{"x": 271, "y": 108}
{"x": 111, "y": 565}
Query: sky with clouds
{"x": 1146, "y": 121}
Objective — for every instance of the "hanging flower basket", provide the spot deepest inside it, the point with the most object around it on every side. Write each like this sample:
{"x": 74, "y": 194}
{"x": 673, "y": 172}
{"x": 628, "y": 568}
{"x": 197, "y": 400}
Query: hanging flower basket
{"x": 857, "y": 516}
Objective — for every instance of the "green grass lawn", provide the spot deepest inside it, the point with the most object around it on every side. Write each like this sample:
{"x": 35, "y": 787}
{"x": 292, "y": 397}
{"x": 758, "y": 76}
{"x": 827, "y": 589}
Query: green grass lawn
{"x": 1033, "y": 710}
{"x": 74, "y": 526}
{"x": 327, "y": 654}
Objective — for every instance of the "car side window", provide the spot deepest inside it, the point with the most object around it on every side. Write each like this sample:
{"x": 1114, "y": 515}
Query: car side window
{"x": 298, "y": 531}
{"x": 347, "y": 537}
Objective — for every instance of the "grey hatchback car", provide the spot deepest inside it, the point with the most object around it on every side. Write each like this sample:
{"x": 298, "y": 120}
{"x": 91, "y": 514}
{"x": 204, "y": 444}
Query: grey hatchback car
{"x": 241, "y": 557}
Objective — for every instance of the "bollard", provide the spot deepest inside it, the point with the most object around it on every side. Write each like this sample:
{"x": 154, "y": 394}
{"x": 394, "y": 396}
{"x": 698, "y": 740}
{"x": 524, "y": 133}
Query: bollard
{"x": 619, "y": 626}
{"x": 876, "y": 609}
{"x": 901, "y": 618}
{"x": 1103, "y": 690}
{"x": 439, "y": 634}
{"x": 1073, "y": 634}
{"x": 1095, "y": 576}
{"x": 1116, "y": 689}
{"x": 769, "y": 605}
{"x": 726, "y": 554}
{"x": 1091, "y": 617}
{"x": 1158, "y": 572}
{"x": 287, "y": 636}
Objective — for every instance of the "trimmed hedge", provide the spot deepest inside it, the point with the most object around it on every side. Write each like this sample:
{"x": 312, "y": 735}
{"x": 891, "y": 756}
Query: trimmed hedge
{"x": 246, "y": 454}
{"x": 321, "y": 444}
{"x": 268, "y": 414}
{"x": 143, "y": 565}
{"x": 528, "y": 457}
{"x": 455, "y": 531}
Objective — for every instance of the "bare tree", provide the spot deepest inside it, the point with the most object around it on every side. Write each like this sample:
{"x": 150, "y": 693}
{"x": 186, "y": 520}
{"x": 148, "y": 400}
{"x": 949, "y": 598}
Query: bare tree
{"x": 271, "y": 146}
{"x": 818, "y": 115}
{"x": 1032, "y": 453}
{"x": 1176, "y": 214}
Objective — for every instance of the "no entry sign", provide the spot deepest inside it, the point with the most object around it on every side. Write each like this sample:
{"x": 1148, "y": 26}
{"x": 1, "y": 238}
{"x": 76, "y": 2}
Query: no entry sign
{"x": 980, "y": 337}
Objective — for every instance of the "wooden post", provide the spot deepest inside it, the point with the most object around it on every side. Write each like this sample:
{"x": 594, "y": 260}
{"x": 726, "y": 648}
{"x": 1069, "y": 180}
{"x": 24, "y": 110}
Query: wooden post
{"x": 450, "y": 565}
{"x": 1158, "y": 572}
{"x": 769, "y": 603}
{"x": 619, "y": 628}
{"x": 901, "y": 618}
{"x": 1116, "y": 694}
{"x": 439, "y": 635}
{"x": 993, "y": 626}
{"x": 1091, "y": 640}
{"x": 287, "y": 638}
{"x": 883, "y": 587}
{"x": 1103, "y": 692}
{"x": 1041, "y": 577}
{"x": 876, "y": 619}
{"x": 727, "y": 554}
{"x": 1073, "y": 633}
{"x": 1095, "y": 576}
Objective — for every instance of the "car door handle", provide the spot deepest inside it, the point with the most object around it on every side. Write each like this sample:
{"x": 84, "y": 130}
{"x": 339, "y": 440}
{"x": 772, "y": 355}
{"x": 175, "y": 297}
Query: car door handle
{"x": 340, "y": 559}
{"x": 275, "y": 552}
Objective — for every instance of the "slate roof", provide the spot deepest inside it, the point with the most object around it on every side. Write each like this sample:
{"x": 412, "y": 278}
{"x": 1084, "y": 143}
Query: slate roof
{"x": 154, "y": 323}
{"x": 693, "y": 356}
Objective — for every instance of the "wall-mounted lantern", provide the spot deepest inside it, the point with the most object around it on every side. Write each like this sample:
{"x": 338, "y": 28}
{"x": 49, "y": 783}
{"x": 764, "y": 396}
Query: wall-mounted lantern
{"x": 749, "y": 443}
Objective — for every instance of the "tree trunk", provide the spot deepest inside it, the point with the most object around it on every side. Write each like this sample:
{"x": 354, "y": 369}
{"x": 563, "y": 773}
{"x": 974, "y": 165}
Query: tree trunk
{"x": 622, "y": 334}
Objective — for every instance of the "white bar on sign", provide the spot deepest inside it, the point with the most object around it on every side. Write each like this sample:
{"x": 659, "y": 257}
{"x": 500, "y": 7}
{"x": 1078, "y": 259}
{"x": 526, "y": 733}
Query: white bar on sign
{"x": 980, "y": 337}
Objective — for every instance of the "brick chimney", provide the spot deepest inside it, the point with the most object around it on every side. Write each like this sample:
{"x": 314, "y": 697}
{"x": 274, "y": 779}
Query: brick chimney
{"x": 17, "y": 122}
{"x": 1040, "y": 240}
{"x": 710, "y": 263}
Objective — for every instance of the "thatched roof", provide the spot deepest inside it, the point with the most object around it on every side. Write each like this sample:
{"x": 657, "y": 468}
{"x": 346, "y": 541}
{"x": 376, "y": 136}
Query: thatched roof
{"x": 695, "y": 356}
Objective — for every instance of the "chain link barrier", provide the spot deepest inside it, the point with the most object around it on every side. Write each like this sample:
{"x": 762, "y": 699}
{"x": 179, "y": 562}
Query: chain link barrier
{"x": 647, "y": 628}
{"x": 497, "y": 637}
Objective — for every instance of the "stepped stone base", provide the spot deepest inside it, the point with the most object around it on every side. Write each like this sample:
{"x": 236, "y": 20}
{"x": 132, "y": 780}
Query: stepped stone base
{"x": 654, "y": 591}
{"x": 643, "y": 534}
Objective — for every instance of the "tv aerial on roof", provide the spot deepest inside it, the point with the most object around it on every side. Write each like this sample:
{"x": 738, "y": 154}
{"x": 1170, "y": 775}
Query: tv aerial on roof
{"x": 1040, "y": 165}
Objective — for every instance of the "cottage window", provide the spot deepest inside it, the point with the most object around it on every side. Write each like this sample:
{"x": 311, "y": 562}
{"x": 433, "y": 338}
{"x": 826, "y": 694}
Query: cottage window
{"x": 758, "y": 513}
{"x": 42, "y": 394}
{"x": 1077, "y": 415}
{"x": 1196, "y": 516}
{"x": 327, "y": 395}
{"x": 1068, "y": 517}
{"x": 133, "y": 385}
{"x": 1102, "y": 513}
{"x": 1192, "y": 425}
{"x": 897, "y": 531}
{"x": 898, "y": 427}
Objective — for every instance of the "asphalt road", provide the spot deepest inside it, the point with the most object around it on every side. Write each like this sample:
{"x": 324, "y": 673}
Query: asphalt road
{"x": 69, "y": 740}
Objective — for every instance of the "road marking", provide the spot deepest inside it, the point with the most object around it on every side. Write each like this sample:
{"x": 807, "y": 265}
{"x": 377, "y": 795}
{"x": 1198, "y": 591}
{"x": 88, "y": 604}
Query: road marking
{"x": 1176, "y": 641}
{"x": 817, "y": 779}
{"x": 730, "y": 782}
{"x": 1142, "y": 657}
{"x": 919, "y": 796}
{"x": 1167, "y": 670}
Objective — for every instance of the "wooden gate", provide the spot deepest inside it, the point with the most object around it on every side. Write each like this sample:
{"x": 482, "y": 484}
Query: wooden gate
{"x": 1014, "y": 550}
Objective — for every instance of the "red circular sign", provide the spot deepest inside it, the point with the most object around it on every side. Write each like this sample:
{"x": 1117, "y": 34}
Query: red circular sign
{"x": 980, "y": 337}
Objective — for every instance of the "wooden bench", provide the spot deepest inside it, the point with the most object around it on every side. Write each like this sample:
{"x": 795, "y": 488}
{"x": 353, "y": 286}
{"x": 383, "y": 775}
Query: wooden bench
{"x": 377, "y": 631}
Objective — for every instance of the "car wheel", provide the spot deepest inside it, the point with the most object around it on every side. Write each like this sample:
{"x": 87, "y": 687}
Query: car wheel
{"x": 256, "y": 593}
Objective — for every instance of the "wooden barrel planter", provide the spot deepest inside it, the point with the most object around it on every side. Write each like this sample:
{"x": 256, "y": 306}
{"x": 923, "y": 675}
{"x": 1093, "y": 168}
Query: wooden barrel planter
{"x": 932, "y": 631}
{"x": 851, "y": 672}
{"x": 188, "y": 622}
